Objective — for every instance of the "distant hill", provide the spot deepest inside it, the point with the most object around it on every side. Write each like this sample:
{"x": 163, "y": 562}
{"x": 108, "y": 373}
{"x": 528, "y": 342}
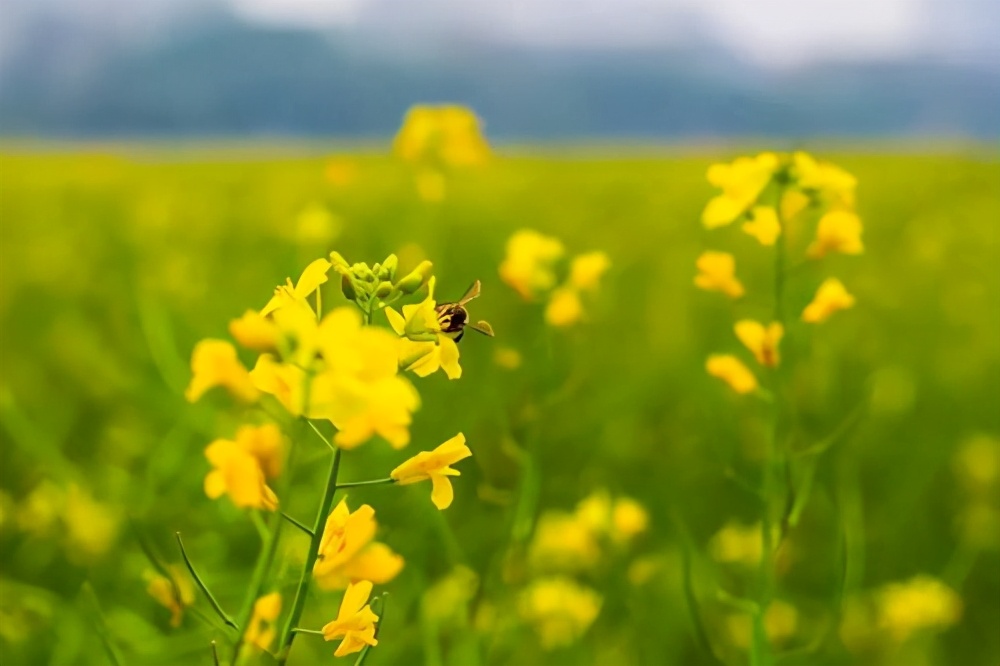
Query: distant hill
{"x": 227, "y": 78}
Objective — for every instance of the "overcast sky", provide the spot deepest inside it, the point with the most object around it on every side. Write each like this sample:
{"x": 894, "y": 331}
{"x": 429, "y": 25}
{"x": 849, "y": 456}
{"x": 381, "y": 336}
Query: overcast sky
{"x": 774, "y": 33}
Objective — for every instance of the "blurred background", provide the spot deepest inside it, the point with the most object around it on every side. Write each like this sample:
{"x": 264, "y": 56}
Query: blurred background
{"x": 164, "y": 164}
{"x": 635, "y": 70}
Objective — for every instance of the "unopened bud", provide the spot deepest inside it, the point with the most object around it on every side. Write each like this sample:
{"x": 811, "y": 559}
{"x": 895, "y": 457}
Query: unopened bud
{"x": 383, "y": 289}
{"x": 388, "y": 269}
{"x": 416, "y": 278}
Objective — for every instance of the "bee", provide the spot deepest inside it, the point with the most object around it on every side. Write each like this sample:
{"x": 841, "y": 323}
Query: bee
{"x": 453, "y": 317}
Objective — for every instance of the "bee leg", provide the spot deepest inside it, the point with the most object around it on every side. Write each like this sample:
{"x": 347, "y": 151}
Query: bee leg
{"x": 458, "y": 338}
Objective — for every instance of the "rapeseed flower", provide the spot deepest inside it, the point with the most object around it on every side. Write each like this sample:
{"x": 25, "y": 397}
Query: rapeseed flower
{"x": 423, "y": 347}
{"x": 175, "y": 593}
{"x": 214, "y": 363}
{"x": 260, "y": 631}
{"x": 585, "y": 270}
{"x": 238, "y": 473}
{"x": 737, "y": 544}
{"x": 763, "y": 225}
{"x": 312, "y": 277}
{"x": 831, "y": 297}
{"x": 831, "y": 184}
{"x": 920, "y": 603}
{"x": 435, "y": 466}
{"x": 564, "y": 307}
{"x": 838, "y": 231}
{"x": 447, "y": 135}
{"x": 91, "y": 526}
{"x": 717, "y": 272}
{"x": 781, "y": 621}
{"x": 255, "y": 332}
{"x": 563, "y": 542}
{"x": 559, "y": 609}
{"x": 742, "y": 181}
{"x": 347, "y": 552}
{"x": 731, "y": 370}
{"x": 762, "y": 341}
{"x": 355, "y": 621}
{"x": 528, "y": 266}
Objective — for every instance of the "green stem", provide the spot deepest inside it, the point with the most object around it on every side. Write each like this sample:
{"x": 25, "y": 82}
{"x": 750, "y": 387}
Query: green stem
{"x": 264, "y": 560}
{"x": 373, "y": 482}
{"x": 215, "y": 654}
{"x": 379, "y": 604}
{"x": 288, "y": 636}
{"x": 297, "y": 524}
{"x": 300, "y": 630}
{"x": 101, "y": 625}
{"x": 321, "y": 435}
{"x": 197, "y": 579}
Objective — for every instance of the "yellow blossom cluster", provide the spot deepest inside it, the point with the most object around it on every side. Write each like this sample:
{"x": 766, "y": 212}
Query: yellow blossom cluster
{"x": 530, "y": 268}
{"x": 342, "y": 368}
{"x": 977, "y": 466}
{"x": 771, "y": 193}
{"x": 174, "y": 593}
{"x": 436, "y": 138}
{"x": 556, "y": 606}
{"x": 87, "y": 527}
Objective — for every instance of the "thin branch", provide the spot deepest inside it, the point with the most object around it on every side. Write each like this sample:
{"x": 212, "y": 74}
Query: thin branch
{"x": 297, "y": 524}
{"x": 197, "y": 579}
{"x": 300, "y": 630}
{"x": 321, "y": 436}
{"x": 215, "y": 654}
{"x": 379, "y": 603}
{"x": 373, "y": 482}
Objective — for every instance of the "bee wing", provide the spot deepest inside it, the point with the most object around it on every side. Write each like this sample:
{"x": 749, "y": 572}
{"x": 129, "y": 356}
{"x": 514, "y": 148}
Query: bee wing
{"x": 470, "y": 293}
{"x": 482, "y": 327}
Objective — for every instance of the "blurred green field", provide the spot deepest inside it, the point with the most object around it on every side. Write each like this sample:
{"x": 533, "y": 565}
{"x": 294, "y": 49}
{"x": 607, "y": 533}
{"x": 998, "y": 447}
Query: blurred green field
{"x": 112, "y": 266}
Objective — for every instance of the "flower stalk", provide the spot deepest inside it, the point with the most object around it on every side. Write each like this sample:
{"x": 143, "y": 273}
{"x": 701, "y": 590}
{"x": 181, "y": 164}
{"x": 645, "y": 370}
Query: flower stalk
{"x": 201, "y": 584}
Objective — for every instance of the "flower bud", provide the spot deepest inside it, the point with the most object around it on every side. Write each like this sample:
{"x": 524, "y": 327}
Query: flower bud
{"x": 338, "y": 261}
{"x": 416, "y": 278}
{"x": 347, "y": 286}
{"x": 384, "y": 288}
{"x": 388, "y": 269}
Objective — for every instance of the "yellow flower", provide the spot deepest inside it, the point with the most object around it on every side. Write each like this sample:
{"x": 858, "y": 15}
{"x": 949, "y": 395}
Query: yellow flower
{"x": 780, "y": 622}
{"x": 340, "y": 172}
{"x": 563, "y": 542}
{"x": 435, "y": 466}
{"x": 737, "y": 544}
{"x": 629, "y": 519}
{"x": 419, "y": 321}
{"x": 175, "y": 593}
{"x": 760, "y": 340}
{"x": 447, "y": 134}
{"x": 286, "y": 382}
{"x": 91, "y": 526}
{"x": 266, "y": 444}
{"x": 237, "y": 473}
{"x": 731, "y": 370}
{"x": 830, "y": 297}
{"x": 793, "y": 202}
{"x": 559, "y": 610}
{"x": 359, "y": 390}
{"x": 717, "y": 272}
{"x": 828, "y": 181}
{"x": 585, "y": 270}
{"x": 922, "y": 602}
{"x": 763, "y": 225}
{"x": 507, "y": 358}
{"x": 564, "y": 307}
{"x": 316, "y": 224}
{"x": 977, "y": 463}
{"x": 312, "y": 277}
{"x": 347, "y": 552}
{"x": 742, "y": 182}
{"x": 214, "y": 363}
{"x": 431, "y": 185}
{"x": 528, "y": 264}
{"x": 355, "y": 621}
{"x": 252, "y": 331}
{"x": 423, "y": 348}
{"x": 260, "y": 631}
{"x": 838, "y": 231}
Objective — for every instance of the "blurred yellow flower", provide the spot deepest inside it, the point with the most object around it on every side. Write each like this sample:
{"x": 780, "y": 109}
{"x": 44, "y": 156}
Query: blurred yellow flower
{"x": 920, "y": 603}
{"x": 763, "y": 225}
{"x": 793, "y": 202}
{"x": 564, "y": 307}
{"x": 261, "y": 630}
{"x": 175, "y": 593}
{"x": 563, "y": 542}
{"x": 91, "y": 526}
{"x": 312, "y": 277}
{"x": 40, "y": 511}
{"x": 507, "y": 358}
{"x": 341, "y": 171}
{"x": 447, "y": 135}
{"x": 355, "y": 621}
{"x": 737, "y": 544}
{"x": 838, "y": 231}
{"x": 731, "y": 370}
{"x": 528, "y": 264}
{"x": 586, "y": 269}
{"x": 762, "y": 341}
{"x": 559, "y": 610}
{"x": 717, "y": 272}
{"x": 977, "y": 463}
{"x": 252, "y": 331}
{"x": 447, "y": 600}
{"x": 214, "y": 363}
{"x": 316, "y": 224}
{"x": 237, "y": 473}
{"x": 831, "y": 297}
{"x": 629, "y": 519}
{"x": 742, "y": 181}
{"x": 829, "y": 181}
{"x": 435, "y": 466}
{"x": 347, "y": 552}
{"x": 266, "y": 444}
{"x": 781, "y": 621}
{"x": 431, "y": 185}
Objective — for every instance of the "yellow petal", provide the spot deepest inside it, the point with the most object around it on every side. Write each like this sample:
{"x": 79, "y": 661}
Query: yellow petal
{"x": 732, "y": 371}
{"x": 763, "y": 225}
{"x": 831, "y": 297}
{"x": 442, "y": 493}
{"x": 395, "y": 320}
{"x": 585, "y": 270}
{"x": 448, "y": 351}
{"x": 564, "y": 308}
{"x": 312, "y": 277}
{"x": 214, "y": 363}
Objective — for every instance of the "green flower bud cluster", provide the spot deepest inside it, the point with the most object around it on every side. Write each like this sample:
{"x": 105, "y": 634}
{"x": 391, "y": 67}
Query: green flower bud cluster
{"x": 373, "y": 287}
